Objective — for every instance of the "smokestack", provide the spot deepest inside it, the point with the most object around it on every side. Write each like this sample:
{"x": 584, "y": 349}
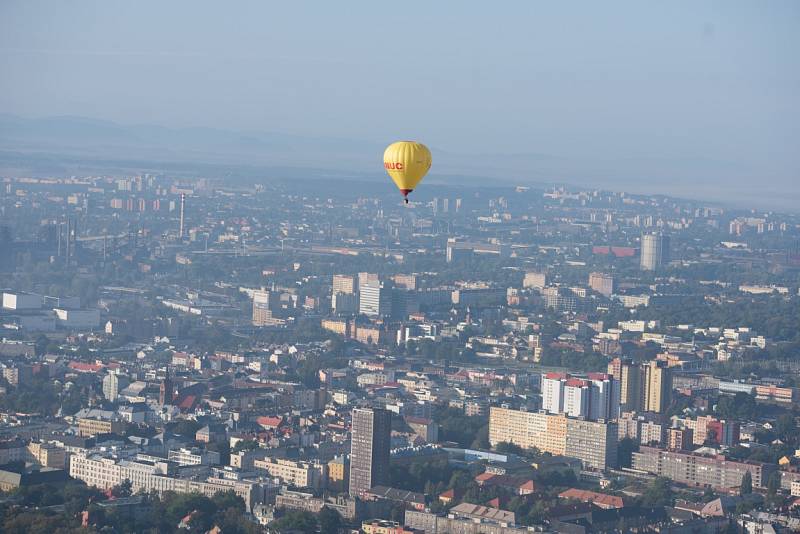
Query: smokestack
{"x": 69, "y": 240}
{"x": 183, "y": 205}
{"x": 60, "y": 237}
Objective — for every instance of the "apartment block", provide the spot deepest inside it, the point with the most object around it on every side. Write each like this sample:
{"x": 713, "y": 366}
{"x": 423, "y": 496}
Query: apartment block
{"x": 716, "y": 472}
{"x": 299, "y": 474}
{"x": 593, "y": 442}
{"x": 106, "y": 472}
{"x": 47, "y": 454}
{"x": 594, "y": 397}
{"x": 88, "y": 426}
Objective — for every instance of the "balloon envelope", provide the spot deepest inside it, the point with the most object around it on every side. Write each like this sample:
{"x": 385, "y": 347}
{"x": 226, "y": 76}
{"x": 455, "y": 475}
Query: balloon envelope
{"x": 407, "y": 162}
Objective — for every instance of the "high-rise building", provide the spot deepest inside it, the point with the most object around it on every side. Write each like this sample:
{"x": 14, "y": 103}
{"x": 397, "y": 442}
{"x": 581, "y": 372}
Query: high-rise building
{"x": 404, "y": 302}
{"x": 366, "y": 278}
{"x": 344, "y": 294}
{"x": 181, "y": 227}
{"x": 654, "y": 252}
{"x": 262, "y": 311}
{"x": 628, "y": 376}
{"x": 344, "y": 303}
{"x": 577, "y": 393}
{"x": 405, "y": 281}
{"x": 369, "y": 449}
{"x": 553, "y": 392}
{"x": 112, "y": 384}
{"x": 602, "y": 283}
{"x": 604, "y": 398}
{"x": 344, "y": 283}
{"x": 656, "y": 386}
{"x": 375, "y": 299}
{"x": 595, "y": 397}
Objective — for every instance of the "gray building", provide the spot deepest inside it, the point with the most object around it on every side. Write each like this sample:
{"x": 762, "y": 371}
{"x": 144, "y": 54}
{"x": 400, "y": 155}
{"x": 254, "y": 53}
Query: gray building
{"x": 369, "y": 449}
{"x": 457, "y": 524}
{"x": 594, "y": 442}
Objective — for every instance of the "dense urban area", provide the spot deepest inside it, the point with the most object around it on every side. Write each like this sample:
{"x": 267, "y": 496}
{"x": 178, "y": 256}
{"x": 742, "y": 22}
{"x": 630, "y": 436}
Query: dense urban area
{"x": 250, "y": 355}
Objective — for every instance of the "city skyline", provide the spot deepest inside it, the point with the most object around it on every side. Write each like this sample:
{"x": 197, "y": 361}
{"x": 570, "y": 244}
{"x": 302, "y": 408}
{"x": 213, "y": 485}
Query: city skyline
{"x": 409, "y": 268}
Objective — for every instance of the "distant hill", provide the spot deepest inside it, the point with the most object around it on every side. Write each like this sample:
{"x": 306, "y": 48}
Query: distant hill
{"x": 67, "y": 144}
{"x": 59, "y": 144}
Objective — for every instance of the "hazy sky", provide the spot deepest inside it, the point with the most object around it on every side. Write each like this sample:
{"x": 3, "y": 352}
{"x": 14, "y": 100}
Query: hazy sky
{"x": 716, "y": 81}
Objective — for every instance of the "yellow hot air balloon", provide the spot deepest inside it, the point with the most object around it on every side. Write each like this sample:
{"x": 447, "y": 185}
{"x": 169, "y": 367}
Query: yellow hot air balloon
{"x": 407, "y": 162}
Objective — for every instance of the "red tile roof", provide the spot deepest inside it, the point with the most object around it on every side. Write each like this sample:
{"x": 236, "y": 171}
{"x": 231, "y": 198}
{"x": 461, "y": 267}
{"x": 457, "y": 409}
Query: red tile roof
{"x": 599, "y": 376}
{"x": 269, "y": 422}
{"x": 82, "y": 367}
{"x": 187, "y": 403}
{"x": 577, "y": 383}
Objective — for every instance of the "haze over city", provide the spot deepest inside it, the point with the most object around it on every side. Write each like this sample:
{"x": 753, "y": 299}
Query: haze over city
{"x": 685, "y": 98}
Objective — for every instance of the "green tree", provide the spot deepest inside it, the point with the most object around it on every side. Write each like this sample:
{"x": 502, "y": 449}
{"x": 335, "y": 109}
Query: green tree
{"x": 186, "y": 427}
{"x": 457, "y": 427}
{"x": 786, "y": 428}
{"x": 746, "y": 487}
{"x": 123, "y": 489}
{"x": 481, "y": 441}
{"x": 228, "y": 499}
{"x": 658, "y": 493}
{"x": 625, "y": 449}
{"x": 506, "y": 447}
{"x": 245, "y": 445}
{"x": 329, "y": 520}
{"x": 773, "y": 484}
{"x": 295, "y": 521}
{"x": 741, "y": 406}
{"x": 537, "y": 513}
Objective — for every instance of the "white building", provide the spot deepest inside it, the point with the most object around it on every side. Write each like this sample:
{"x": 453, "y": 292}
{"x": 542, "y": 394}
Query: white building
{"x": 375, "y": 299}
{"x": 596, "y": 397}
{"x": 193, "y": 456}
{"x": 111, "y": 387}
{"x": 577, "y": 395}
{"x": 553, "y": 392}
{"x": 106, "y": 472}
{"x": 300, "y": 474}
{"x": 654, "y": 252}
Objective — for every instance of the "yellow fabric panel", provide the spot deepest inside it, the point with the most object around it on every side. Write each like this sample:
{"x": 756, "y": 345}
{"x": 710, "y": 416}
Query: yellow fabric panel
{"x": 407, "y": 162}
